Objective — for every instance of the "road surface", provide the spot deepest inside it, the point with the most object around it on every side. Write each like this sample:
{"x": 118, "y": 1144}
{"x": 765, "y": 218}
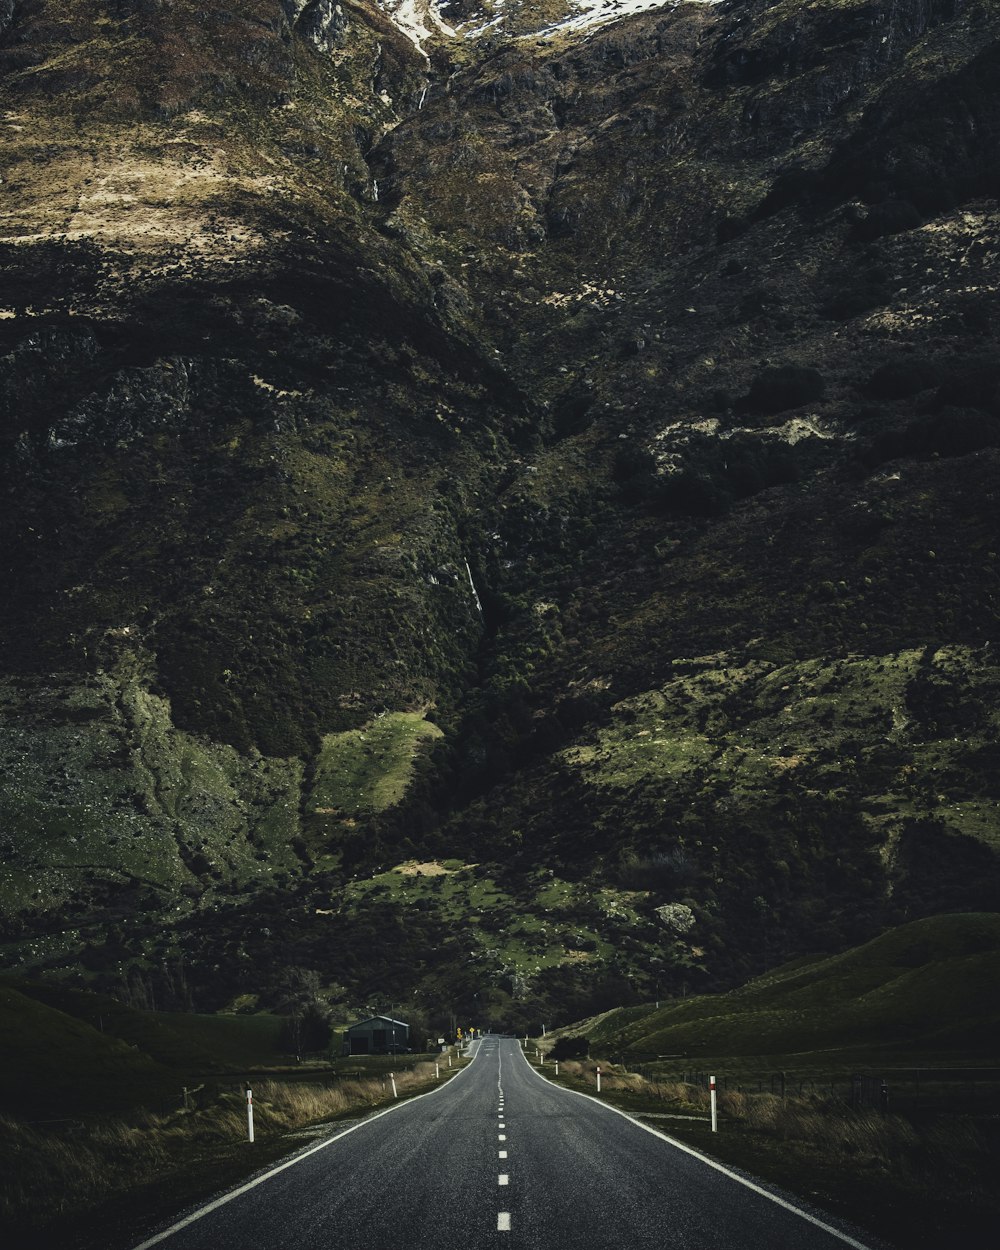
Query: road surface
{"x": 499, "y": 1157}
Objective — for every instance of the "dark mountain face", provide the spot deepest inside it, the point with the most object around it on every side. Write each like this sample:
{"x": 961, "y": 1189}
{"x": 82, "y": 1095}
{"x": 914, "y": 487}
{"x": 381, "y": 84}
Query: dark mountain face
{"x": 496, "y": 499}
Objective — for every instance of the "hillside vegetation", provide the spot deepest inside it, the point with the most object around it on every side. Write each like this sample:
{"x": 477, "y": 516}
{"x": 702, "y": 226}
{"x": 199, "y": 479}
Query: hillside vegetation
{"x": 568, "y": 450}
{"x": 918, "y": 994}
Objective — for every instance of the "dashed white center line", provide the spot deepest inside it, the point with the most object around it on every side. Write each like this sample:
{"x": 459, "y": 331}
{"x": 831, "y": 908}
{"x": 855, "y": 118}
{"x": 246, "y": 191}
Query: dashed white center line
{"x": 501, "y": 1136}
{"x": 503, "y": 1179}
{"x": 501, "y": 1126}
{"x": 503, "y": 1222}
{"x": 502, "y": 1154}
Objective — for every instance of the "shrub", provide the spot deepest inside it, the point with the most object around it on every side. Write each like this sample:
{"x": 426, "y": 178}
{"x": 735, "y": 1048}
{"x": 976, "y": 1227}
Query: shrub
{"x": 854, "y": 300}
{"x": 781, "y": 387}
{"x": 730, "y": 228}
{"x": 570, "y": 1048}
{"x": 950, "y": 432}
{"x": 572, "y": 414}
{"x": 793, "y": 186}
{"x": 889, "y": 217}
{"x": 957, "y": 432}
{"x": 972, "y": 383}
{"x": 899, "y": 379}
{"x": 692, "y": 494}
{"x": 758, "y": 301}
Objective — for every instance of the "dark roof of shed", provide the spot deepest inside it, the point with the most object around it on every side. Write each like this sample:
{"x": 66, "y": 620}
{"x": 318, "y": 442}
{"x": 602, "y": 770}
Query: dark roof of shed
{"x": 373, "y": 1019}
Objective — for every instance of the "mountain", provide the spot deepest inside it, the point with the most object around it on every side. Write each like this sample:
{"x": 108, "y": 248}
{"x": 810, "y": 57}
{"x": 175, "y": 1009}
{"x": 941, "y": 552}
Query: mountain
{"x": 498, "y": 500}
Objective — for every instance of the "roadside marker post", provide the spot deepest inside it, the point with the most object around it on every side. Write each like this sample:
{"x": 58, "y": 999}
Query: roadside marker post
{"x": 711, "y": 1091}
{"x": 437, "y": 1071}
{"x": 557, "y": 1067}
{"x": 249, "y": 1113}
{"x": 598, "y": 1078}
{"x": 392, "y": 1078}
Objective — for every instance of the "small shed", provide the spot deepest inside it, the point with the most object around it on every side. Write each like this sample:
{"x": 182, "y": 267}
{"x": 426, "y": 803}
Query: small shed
{"x": 381, "y": 1035}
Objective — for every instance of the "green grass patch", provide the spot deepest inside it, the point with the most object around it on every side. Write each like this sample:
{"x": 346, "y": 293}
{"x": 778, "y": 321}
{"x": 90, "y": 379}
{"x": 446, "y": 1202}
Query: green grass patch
{"x": 368, "y": 770}
{"x": 54, "y": 1065}
{"x": 921, "y": 989}
{"x": 551, "y": 924}
{"x": 78, "y": 1052}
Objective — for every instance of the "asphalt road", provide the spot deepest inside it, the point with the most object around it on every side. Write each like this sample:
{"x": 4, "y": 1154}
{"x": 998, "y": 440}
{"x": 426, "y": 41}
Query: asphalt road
{"x": 498, "y": 1157}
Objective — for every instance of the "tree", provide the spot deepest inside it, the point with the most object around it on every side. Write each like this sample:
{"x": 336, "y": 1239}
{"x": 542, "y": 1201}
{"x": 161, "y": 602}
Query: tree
{"x": 300, "y": 997}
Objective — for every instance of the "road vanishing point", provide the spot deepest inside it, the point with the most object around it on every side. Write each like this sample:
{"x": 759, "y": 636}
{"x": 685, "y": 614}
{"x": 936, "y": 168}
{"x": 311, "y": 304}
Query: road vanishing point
{"x": 500, "y": 1157}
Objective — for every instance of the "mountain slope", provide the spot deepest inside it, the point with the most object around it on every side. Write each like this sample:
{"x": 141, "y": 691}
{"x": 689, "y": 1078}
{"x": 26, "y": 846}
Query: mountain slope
{"x": 914, "y": 990}
{"x": 558, "y": 438}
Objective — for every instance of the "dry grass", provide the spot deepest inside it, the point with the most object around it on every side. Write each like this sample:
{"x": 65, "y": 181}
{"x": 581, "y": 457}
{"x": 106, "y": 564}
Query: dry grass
{"x": 616, "y": 1079}
{"x": 72, "y": 1170}
{"x": 951, "y": 1156}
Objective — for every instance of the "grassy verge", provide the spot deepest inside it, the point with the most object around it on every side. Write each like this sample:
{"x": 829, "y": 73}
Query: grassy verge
{"x": 99, "y": 1184}
{"x": 921, "y": 1183}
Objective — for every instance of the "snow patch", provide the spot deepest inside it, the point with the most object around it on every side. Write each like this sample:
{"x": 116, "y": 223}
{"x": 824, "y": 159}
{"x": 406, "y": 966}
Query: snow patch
{"x": 420, "y": 20}
{"x": 417, "y": 19}
{"x": 591, "y": 13}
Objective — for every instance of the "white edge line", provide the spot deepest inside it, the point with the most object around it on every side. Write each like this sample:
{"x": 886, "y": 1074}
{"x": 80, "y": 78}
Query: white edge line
{"x": 712, "y": 1163}
{"x": 259, "y": 1180}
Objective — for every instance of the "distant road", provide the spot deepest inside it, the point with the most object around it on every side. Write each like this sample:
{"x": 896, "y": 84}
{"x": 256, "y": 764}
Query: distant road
{"x": 499, "y": 1157}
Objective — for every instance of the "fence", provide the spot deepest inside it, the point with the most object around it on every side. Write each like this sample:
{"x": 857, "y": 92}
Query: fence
{"x": 909, "y": 1089}
{"x": 210, "y": 1087}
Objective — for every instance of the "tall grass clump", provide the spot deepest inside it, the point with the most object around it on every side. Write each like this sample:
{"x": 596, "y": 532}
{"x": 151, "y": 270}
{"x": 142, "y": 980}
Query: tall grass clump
{"x": 950, "y": 1153}
{"x": 863, "y": 1134}
{"x": 62, "y": 1173}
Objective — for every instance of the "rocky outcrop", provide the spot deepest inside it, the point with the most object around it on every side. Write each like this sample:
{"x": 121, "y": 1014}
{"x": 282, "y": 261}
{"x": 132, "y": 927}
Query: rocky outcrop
{"x": 323, "y": 22}
{"x": 839, "y": 50}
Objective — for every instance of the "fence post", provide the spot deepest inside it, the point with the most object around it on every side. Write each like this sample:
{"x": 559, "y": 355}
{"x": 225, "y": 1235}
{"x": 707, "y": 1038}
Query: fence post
{"x": 249, "y": 1113}
{"x": 711, "y": 1091}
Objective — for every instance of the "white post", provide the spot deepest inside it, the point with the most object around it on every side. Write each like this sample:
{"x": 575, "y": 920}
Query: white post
{"x": 250, "y": 1113}
{"x": 711, "y": 1090}
{"x": 449, "y": 1058}
{"x": 392, "y": 1077}
{"x": 598, "y": 1078}
{"x": 437, "y": 1071}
